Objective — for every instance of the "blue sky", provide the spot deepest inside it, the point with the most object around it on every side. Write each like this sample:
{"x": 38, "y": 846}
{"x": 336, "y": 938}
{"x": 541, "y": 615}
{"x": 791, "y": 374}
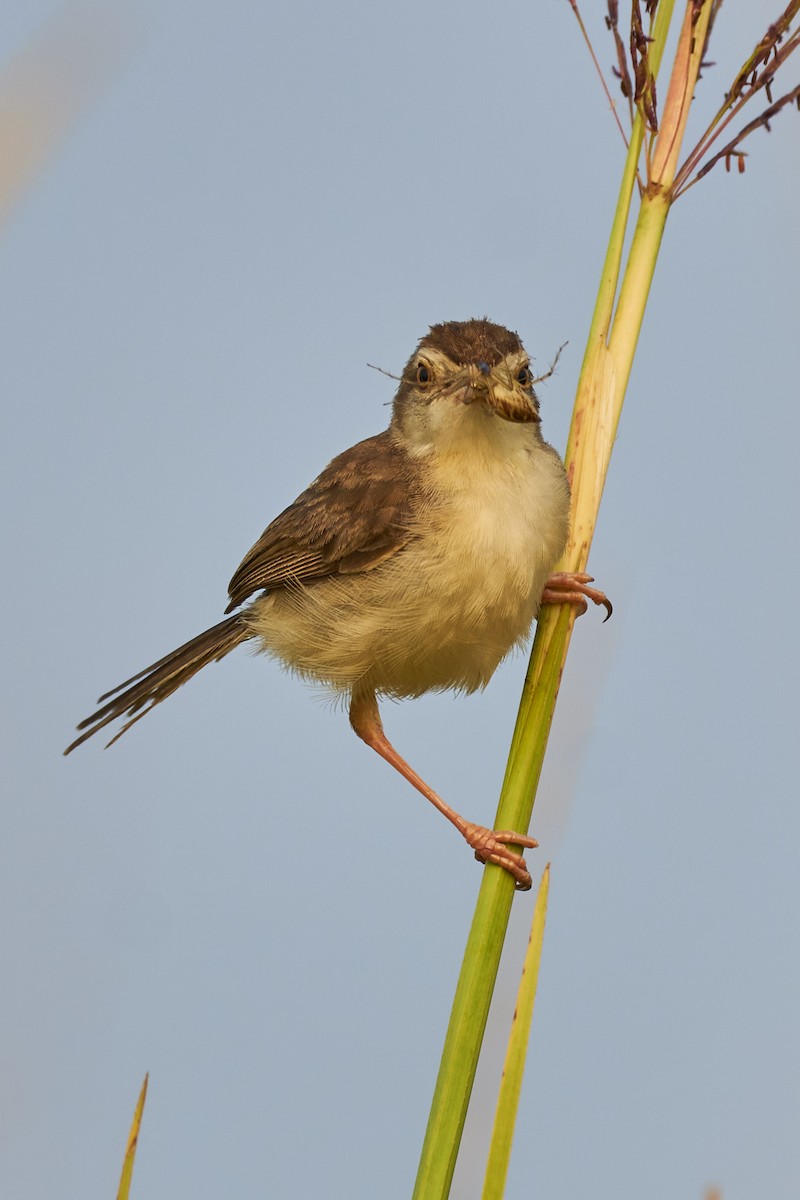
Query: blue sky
{"x": 239, "y": 897}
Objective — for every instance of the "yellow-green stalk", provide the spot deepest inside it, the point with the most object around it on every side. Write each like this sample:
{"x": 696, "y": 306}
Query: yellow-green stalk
{"x": 601, "y": 389}
{"x": 514, "y": 1067}
{"x": 123, "y": 1192}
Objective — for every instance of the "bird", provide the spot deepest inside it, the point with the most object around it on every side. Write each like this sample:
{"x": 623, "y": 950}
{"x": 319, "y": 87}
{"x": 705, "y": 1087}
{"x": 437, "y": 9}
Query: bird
{"x": 415, "y": 562}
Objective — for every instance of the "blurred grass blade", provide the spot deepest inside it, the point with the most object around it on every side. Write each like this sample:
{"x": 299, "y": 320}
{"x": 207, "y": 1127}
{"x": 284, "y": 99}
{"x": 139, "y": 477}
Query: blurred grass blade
{"x": 514, "y": 1068}
{"x": 78, "y": 51}
{"x": 133, "y": 1138}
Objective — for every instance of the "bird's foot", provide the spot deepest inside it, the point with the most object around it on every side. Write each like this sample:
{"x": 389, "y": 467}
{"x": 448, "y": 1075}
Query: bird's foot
{"x": 491, "y": 846}
{"x": 572, "y": 587}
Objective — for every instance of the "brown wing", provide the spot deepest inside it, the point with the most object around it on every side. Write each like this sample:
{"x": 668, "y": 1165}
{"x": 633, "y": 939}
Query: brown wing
{"x": 353, "y": 516}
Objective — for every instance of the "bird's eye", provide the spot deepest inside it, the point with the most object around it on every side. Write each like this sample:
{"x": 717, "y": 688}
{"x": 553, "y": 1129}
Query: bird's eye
{"x": 424, "y": 375}
{"x": 524, "y": 376}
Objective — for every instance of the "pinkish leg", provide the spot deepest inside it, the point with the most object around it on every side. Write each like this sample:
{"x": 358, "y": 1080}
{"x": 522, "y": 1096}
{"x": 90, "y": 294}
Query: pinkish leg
{"x": 490, "y": 845}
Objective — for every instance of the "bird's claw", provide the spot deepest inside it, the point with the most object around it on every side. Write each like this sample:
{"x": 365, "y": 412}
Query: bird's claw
{"x": 572, "y": 587}
{"x": 492, "y": 846}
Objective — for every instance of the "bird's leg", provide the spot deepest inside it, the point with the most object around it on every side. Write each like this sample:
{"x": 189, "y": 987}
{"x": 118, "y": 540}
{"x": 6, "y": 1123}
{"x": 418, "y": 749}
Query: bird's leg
{"x": 572, "y": 587}
{"x": 490, "y": 845}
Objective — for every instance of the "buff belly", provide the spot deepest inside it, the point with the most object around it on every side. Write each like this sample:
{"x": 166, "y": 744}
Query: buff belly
{"x": 448, "y": 607}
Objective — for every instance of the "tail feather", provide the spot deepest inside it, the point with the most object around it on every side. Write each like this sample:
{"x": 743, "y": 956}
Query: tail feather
{"x": 137, "y": 695}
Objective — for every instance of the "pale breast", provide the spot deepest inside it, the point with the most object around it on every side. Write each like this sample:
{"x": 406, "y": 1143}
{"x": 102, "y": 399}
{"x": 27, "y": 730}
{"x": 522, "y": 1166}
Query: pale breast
{"x": 448, "y": 608}
{"x": 493, "y": 541}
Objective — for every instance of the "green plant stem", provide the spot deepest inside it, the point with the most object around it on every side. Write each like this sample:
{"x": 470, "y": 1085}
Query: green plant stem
{"x": 485, "y": 942}
{"x": 484, "y": 946}
{"x": 604, "y": 376}
{"x": 514, "y": 1067}
{"x": 604, "y": 305}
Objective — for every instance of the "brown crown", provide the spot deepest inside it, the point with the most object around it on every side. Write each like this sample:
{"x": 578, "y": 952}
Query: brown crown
{"x": 474, "y": 341}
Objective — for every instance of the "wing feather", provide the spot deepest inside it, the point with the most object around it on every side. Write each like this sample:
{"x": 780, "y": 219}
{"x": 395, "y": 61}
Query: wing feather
{"x": 356, "y": 514}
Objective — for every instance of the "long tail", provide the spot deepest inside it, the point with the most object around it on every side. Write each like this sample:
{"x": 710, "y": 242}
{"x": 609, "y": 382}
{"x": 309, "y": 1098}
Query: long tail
{"x": 137, "y": 695}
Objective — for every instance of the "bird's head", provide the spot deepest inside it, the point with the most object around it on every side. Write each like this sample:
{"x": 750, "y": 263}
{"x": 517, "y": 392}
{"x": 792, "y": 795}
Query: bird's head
{"x": 463, "y": 372}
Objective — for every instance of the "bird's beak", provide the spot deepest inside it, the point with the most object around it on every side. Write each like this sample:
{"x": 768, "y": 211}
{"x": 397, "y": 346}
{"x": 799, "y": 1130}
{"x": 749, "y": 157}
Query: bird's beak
{"x": 479, "y": 382}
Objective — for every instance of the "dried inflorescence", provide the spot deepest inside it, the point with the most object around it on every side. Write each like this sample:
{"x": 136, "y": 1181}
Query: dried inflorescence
{"x": 621, "y": 69}
{"x": 756, "y": 75}
{"x": 731, "y": 151}
{"x": 634, "y": 71}
{"x": 644, "y": 95}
